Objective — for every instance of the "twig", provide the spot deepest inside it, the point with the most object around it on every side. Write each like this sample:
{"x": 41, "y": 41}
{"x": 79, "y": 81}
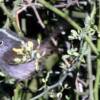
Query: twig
{"x": 48, "y": 88}
{"x": 89, "y": 66}
{"x": 10, "y": 16}
{"x": 96, "y": 86}
{"x": 60, "y": 13}
{"x": 38, "y": 16}
{"x": 70, "y": 21}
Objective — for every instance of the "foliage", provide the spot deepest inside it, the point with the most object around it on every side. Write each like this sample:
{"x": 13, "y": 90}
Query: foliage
{"x": 61, "y": 39}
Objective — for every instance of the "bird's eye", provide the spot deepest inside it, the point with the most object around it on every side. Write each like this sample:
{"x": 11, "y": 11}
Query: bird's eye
{"x": 1, "y": 43}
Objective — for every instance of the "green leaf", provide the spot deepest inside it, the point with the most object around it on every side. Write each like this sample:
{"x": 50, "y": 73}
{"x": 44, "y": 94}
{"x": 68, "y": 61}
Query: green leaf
{"x": 33, "y": 85}
{"x": 51, "y": 61}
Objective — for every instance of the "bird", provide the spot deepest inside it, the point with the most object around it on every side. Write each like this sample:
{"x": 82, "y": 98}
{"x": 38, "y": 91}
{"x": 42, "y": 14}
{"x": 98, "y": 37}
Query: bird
{"x": 10, "y": 43}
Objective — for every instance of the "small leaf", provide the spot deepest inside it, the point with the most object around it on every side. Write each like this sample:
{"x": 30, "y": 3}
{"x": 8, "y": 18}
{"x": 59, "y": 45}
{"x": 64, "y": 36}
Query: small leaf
{"x": 51, "y": 61}
{"x": 2, "y": 74}
{"x": 19, "y": 51}
{"x": 33, "y": 85}
{"x": 17, "y": 60}
{"x": 29, "y": 45}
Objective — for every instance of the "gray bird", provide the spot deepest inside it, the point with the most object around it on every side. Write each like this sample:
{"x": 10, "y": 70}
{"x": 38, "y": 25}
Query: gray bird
{"x": 9, "y": 40}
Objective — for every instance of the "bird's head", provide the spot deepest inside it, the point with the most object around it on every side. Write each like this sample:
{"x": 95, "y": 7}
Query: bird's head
{"x": 19, "y": 58}
{"x": 9, "y": 46}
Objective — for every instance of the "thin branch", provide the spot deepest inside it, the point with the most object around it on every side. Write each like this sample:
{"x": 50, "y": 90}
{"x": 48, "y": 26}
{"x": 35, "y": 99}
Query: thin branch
{"x": 89, "y": 65}
{"x": 71, "y": 22}
{"x": 48, "y": 88}
{"x": 38, "y": 16}
{"x": 13, "y": 20}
